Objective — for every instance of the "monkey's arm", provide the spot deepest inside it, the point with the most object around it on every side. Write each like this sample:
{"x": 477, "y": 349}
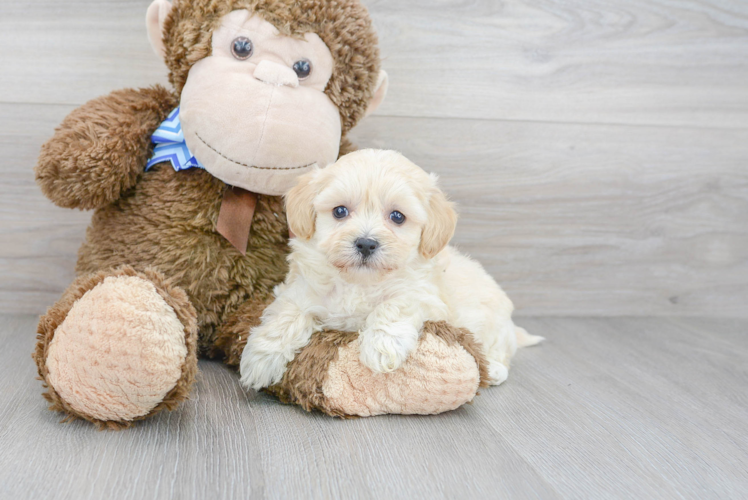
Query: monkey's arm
{"x": 101, "y": 148}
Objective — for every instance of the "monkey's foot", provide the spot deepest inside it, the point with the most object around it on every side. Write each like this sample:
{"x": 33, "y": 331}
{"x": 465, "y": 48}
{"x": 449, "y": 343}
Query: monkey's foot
{"x": 443, "y": 373}
{"x": 119, "y": 346}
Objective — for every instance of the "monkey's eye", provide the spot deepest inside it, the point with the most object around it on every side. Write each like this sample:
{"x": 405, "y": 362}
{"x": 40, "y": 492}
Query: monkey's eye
{"x": 242, "y": 48}
{"x": 303, "y": 68}
{"x": 340, "y": 212}
{"x": 397, "y": 217}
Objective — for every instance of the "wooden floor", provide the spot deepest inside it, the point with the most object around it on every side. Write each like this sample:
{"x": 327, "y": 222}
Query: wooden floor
{"x": 606, "y": 408}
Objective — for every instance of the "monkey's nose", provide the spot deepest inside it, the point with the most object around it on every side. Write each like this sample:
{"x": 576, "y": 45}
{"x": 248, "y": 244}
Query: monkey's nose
{"x": 276, "y": 74}
{"x": 366, "y": 246}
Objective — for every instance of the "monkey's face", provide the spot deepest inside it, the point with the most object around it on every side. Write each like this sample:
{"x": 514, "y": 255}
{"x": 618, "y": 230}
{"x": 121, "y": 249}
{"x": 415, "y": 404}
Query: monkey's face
{"x": 255, "y": 112}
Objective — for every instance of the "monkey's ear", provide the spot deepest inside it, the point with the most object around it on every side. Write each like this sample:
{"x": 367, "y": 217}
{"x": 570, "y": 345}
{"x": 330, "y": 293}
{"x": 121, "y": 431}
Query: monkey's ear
{"x": 441, "y": 223}
{"x": 154, "y": 21}
{"x": 300, "y": 206}
{"x": 380, "y": 91}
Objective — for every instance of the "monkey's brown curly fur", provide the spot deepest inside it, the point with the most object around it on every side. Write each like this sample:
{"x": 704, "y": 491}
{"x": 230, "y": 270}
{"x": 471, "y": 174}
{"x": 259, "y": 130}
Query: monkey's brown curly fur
{"x": 168, "y": 222}
{"x": 100, "y": 149}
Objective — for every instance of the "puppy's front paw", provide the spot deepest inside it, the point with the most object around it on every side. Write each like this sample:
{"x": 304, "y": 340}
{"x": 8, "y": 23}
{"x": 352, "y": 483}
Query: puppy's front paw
{"x": 497, "y": 373}
{"x": 385, "y": 347}
{"x": 261, "y": 368}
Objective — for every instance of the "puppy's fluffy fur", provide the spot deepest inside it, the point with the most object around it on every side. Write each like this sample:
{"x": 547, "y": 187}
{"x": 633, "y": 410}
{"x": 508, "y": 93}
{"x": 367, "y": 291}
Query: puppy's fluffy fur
{"x": 412, "y": 275}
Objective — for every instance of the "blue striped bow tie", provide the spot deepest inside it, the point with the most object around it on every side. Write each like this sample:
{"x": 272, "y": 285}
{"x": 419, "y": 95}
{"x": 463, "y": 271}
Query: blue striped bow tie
{"x": 171, "y": 147}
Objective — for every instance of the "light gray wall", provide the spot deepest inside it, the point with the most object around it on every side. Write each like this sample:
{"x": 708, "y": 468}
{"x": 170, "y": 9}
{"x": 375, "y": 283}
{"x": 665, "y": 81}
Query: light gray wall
{"x": 598, "y": 149}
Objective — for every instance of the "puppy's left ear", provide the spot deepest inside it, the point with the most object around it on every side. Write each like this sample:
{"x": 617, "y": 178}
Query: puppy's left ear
{"x": 300, "y": 206}
{"x": 441, "y": 223}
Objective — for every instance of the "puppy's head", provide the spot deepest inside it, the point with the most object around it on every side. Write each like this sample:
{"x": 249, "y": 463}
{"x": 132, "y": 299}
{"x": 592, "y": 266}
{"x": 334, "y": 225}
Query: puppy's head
{"x": 372, "y": 211}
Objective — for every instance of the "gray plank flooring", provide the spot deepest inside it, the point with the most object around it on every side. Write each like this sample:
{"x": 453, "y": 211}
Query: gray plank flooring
{"x": 607, "y": 408}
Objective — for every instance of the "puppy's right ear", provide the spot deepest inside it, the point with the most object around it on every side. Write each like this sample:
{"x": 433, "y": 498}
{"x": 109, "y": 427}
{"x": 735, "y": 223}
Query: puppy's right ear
{"x": 300, "y": 206}
{"x": 441, "y": 224}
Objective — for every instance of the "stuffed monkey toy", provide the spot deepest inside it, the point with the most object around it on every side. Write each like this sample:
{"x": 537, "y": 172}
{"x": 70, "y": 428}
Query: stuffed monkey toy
{"x": 189, "y": 235}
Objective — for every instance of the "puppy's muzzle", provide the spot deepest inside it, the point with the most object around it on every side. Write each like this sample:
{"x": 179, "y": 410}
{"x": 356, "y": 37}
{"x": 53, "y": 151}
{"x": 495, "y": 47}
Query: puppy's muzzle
{"x": 366, "y": 246}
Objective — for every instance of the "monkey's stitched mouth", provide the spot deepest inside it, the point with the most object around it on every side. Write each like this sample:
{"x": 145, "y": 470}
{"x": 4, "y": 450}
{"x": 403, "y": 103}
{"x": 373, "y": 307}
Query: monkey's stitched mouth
{"x": 247, "y": 165}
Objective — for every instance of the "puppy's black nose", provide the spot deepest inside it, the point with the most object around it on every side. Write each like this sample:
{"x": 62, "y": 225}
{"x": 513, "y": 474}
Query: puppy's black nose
{"x": 366, "y": 246}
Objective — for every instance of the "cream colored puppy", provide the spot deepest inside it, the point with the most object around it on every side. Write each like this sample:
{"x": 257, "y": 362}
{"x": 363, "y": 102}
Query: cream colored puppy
{"x": 371, "y": 255}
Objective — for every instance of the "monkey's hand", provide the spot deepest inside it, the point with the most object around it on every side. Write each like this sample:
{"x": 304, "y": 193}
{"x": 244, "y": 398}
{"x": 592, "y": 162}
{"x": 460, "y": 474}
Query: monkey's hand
{"x": 101, "y": 148}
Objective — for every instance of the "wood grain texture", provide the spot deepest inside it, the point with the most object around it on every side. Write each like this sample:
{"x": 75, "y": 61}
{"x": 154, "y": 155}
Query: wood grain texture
{"x": 625, "y": 61}
{"x": 607, "y": 408}
{"x": 648, "y": 62}
{"x": 516, "y": 104}
{"x": 593, "y": 219}
{"x": 38, "y": 241}
{"x": 70, "y": 52}
{"x": 571, "y": 219}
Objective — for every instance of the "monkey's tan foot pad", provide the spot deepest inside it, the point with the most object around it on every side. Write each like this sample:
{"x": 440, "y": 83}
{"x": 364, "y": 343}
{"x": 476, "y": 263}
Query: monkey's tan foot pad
{"x": 443, "y": 373}
{"x": 118, "y": 347}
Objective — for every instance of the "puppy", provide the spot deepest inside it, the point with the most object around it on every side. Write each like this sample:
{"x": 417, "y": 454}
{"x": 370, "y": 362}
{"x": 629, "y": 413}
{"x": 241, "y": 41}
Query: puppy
{"x": 371, "y": 255}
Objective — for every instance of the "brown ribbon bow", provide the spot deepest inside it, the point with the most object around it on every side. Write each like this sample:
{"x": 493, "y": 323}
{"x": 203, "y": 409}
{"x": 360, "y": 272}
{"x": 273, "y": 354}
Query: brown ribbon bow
{"x": 235, "y": 218}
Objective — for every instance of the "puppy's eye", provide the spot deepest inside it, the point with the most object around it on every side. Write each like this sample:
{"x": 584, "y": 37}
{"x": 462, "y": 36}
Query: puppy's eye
{"x": 340, "y": 212}
{"x": 303, "y": 68}
{"x": 397, "y": 217}
{"x": 242, "y": 48}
